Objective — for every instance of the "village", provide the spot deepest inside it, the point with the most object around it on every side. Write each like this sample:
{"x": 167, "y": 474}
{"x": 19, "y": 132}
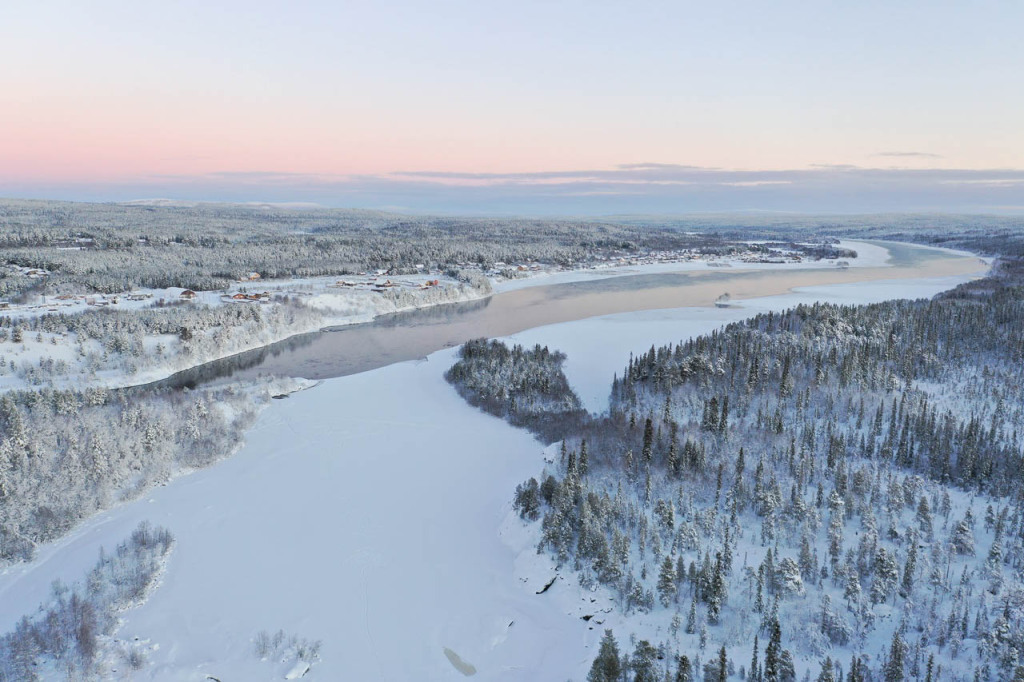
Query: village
{"x": 253, "y": 288}
{"x": 242, "y": 291}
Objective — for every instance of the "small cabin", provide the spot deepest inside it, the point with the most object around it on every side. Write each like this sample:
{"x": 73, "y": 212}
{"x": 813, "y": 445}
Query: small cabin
{"x": 187, "y": 295}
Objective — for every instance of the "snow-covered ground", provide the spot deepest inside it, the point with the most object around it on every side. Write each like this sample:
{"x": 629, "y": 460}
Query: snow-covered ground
{"x": 332, "y": 302}
{"x": 372, "y": 512}
{"x": 326, "y": 304}
{"x": 869, "y": 255}
{"x": 600, "y": 346}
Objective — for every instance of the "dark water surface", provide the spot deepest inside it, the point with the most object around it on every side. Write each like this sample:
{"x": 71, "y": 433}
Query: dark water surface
{"x": 415, "y": 334}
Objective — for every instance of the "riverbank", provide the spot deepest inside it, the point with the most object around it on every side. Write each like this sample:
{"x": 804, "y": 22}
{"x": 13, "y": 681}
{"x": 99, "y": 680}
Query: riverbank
{"x": 413, "y": 335}
{"x": 367, "y": 513}
{"x": 62, "y": 360}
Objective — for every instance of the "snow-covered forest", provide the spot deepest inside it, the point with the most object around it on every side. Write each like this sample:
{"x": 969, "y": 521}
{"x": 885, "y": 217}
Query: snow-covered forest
{"x": 64, "y": 455}
{"x": 836, "y": 481}
{"x": 120, "y": 294}
{"x": 525, "y": 386}
{"x": 110, "y": 346}
{"x": 832, "y": 493}
{"x": 73, "y": 636}
{"x": 112, "y": 248}
{"x": 991, "y": 235}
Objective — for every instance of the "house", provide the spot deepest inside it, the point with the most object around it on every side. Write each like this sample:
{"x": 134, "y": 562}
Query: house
{"x": 187, "y": 295}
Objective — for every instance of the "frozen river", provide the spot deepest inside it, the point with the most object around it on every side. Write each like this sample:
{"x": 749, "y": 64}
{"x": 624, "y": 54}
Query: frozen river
{"x": 373, "y": 512}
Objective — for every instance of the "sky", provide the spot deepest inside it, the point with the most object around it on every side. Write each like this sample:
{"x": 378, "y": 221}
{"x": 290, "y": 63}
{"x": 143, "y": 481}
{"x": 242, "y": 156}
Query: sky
{"x": 554, "y": 107}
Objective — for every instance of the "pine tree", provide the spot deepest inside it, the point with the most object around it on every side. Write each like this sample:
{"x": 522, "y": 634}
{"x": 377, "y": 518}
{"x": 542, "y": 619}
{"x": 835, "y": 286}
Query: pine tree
{"x": 644, "y": 662}
{"x": 772, "y": 654}
{"x": 826, "y": 674}
{"x": 907, "y": 586}
{"x": 684, "y": 671}
{"x": 887, "y": 576}
{"x": 852, "y": 591}
{"x": 607, "y": 667}
{"x": 673, "y": 462}
{"x": 963, "y": 539}
{"x": 755, "y": 665}
{"x": 691, "y": 619}
{"x": 924, "y": 517}
{"x": 893, "y": 670}
{"x": 808, "y": 569}
{"x": 717, "y": 592}
{"x": 787, "y": 670}
{"x": 648, "y": 445}
{"x": 667, "y": 582}
{"x": 856, "y": 673}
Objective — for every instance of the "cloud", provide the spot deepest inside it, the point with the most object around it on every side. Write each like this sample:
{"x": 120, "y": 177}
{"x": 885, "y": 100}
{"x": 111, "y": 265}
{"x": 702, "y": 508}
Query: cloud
{"x": 659, "y": 166}
{"x": 905, "y": 155}
{"x": 757, "y": 183}
{"x": 627, "y": 189}
{"x": 985, "y": 181}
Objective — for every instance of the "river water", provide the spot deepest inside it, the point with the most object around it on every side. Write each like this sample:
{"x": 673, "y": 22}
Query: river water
{"x": 415, "y": 334}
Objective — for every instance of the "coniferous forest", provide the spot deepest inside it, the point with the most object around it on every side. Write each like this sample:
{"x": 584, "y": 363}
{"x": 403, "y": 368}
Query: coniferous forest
{"x": 836, "y": 484}
{"x": 831, "y": 489}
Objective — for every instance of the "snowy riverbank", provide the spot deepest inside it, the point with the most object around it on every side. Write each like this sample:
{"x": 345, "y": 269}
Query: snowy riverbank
{"x": 59, "y": 359}
{"x": 373, "y": 513}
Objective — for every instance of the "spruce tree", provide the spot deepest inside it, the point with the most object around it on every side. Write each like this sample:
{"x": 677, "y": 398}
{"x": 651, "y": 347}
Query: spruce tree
{"x": 787, "y": 670}
{"x": 826, "y": 674}
{"x": 755, "y": 664}
{"x": 893, "y": 670}
{"x": 772, "y": 654}
{"x": 691, "y": 619}
{"x": 684, "y": 670}
{"x": 667, "y": 582}
{"x": 607, "y": 667}
{"x": 644, "y": 662}
{"x": 648, "y": 445}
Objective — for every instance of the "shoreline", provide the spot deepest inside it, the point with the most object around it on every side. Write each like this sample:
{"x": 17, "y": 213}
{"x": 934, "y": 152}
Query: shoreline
{"x": 362, "y": 347}
{"x": 311, "y": 458}
{"x": 509, "y": 298}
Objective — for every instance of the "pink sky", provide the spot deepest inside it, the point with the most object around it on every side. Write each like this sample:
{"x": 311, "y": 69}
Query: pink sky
{"x": 127, "y": 93}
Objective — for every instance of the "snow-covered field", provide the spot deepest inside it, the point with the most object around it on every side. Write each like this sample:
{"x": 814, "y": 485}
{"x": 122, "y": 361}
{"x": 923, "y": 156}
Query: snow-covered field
{"x": 326, "y": 304}
{"x": 869, "y": 255}
{"x": 372, "y": 512}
